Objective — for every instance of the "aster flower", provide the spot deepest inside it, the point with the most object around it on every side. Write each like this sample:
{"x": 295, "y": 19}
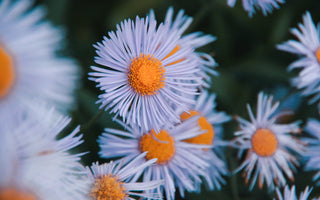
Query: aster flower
{"x": 270, "y": 147}
{"x": 114, "y": 180}
{"x": 36, "y": 165}
{"x": 266, "y": 6}
{"x": 308, "y": 48}
{"x": 146, "y": 73}
{"x": 290, "y": 194}
{"x": 179, "y": 163}
{"x": 312, "y": 155}
{"x": 194, "y": 40}
{"x": 29, "y": 66}
{"x": 210, "y": 121}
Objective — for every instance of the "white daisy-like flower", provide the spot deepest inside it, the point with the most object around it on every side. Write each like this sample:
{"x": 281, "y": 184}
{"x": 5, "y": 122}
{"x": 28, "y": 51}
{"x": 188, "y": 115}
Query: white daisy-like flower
{"x": 35, "y": 164}
{"x": 290, "y": 194}
{"x": 312, "y": 155}
{"x": 194, "y": 40}
{"x": 211, "y": 122}
{"x": 266, "y": 6}
{"x": 146, "y": 73}
{"x": 270, "y": 147}
{"x": 29, "y": 66}
{"x": 179, "y": 163}
{"x": 114, "y": 180}
{"x": 308, "y": 48}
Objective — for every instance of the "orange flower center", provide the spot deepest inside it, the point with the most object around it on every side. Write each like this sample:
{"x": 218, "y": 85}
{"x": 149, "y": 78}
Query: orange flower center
{"x": 264, "y": 142}
{"x": 146, "y": 75}
{"x": 107, "y": 187}
{"x": 7, "y": 74}
{"x": 318, "y": 54}
{"x": 14, "y": 194}
{"x": 161, "y": 148}
{"x": 176, "y": 48}
{"x": 205, "y": 138}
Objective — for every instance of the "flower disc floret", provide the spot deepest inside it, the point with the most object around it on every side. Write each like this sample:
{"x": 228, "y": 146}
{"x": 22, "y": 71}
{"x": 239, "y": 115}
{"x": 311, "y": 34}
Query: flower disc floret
{"x": 176, "y": 48}
{"x": 14, "y": 194}
{"x": 146, "y": 74}
{"x": 318, "y": 54}
{"x": 7, "y": 75}
{"x": 107, "y": 187}
{"x": 160, "y": 146}
{"x": 264, "y": 142}
{"x": 205, "y": 138}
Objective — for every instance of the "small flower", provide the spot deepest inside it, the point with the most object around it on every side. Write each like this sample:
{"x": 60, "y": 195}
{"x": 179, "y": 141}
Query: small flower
{"x": 312, "y": 154}
{"x": 29, "y": 66}
{"x": 178, "y": 163}
{"x": 290, "y": 194}
{"x": 210, "y": 121}
{"x": 35, "y": 165}
{"x": 269, "y": 146}
{"x": 308, "y": 48}
{"x": 146, "y": 73}
{"x": 115, "y": 181}
{"x": 266, "y": 6}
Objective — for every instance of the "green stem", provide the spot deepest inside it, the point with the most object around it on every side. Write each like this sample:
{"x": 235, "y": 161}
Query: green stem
{"x": 93, "y": 119}
{"x": 205, "y": 8}
{"x": 234, "y": 186}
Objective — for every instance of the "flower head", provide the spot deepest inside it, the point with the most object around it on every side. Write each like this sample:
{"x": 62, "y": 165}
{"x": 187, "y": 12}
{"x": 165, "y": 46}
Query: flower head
{"x": 308, "y": 48}
{"x": 266, "y": 6}
{"x": 290, "y": 194}
{"x": 115, "y": 181}
{"x": 147, "y": 72}
{"x": 29, "y": 66}
{"x": 211, "y": 122}
{"x": 35, "y": 165}
{"x": 270, "y": 147}
{"x": 178, "y": 163}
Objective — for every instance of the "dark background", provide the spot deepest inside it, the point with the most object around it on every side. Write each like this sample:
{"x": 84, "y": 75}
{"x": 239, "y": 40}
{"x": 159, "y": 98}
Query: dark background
{"x": 245, "y": 50}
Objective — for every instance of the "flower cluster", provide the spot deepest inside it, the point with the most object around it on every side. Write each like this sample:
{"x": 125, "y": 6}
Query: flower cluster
{"x": 155, "y": 82}
{"x": 152, "y": 81}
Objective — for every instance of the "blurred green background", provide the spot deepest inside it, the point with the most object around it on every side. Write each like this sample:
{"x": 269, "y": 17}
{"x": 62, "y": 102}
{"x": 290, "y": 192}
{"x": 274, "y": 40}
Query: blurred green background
{"x": 245, "y": 50}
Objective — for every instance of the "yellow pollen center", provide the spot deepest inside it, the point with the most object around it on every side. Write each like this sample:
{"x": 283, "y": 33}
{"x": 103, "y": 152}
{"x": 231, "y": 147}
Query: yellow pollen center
{"x": 161, "y": 148}
{"x": 107, "y": 187}
{"x": 175, "y": 49}
{"x": 318, "y": 54}
{"x": 14, "y": 194}
{"x": 264, "y": 142}
{"x": 146, "y": 75}
{"x": 7, "y": 75}
{"x": 205, "y": 138}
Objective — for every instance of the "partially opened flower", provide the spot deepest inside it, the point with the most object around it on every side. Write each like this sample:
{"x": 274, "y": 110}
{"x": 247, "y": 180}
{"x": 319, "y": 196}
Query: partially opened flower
{"x": 146, "y": 73}
{"x": 308, "y": 49}
{"x": 178, "y": 163}
{"x": 29, "y": 66}
{"x": 114, "y": 181}
{"x": 271, "y": 149}
{"x": 211, "y": 122}
{"x": 266, "y": 6}
{"x": 35, "y": 165}
{"x": 194, "y": 40}
{"x": 290, "y": 194}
